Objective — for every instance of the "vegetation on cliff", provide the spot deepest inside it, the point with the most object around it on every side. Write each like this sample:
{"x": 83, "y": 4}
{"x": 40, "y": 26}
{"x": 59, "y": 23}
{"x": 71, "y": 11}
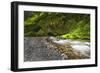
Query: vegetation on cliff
{"x": 62, "y": 25}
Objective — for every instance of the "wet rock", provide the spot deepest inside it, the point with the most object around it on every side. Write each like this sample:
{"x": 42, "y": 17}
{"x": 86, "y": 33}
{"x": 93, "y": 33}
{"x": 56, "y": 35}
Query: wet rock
{"x": 37, "y": 49}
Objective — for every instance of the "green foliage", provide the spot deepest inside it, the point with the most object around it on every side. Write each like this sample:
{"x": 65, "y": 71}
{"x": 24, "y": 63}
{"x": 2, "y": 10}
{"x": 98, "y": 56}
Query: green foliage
{"x": 62, "y": 25}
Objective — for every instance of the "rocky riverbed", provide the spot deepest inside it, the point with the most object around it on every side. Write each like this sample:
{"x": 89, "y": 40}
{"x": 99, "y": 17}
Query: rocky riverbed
{"x": 44, "y": 49}
{"x": 37, "y": 49}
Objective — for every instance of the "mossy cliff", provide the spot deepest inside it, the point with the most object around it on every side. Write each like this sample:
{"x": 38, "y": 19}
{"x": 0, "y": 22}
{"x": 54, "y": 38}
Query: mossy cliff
{"x": 62, "y": 25}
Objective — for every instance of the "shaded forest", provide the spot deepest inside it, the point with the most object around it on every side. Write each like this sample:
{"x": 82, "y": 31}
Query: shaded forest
{"x": 63, "y": 25}
{"x": 56, "y": 36}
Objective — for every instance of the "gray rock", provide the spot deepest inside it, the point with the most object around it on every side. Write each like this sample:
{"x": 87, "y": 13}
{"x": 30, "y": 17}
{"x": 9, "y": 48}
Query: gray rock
{"x": 37, "y": 49}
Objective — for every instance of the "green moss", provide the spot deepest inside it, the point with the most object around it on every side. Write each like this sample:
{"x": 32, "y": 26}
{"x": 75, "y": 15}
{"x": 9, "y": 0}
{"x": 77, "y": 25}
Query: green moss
{"x": 64, "y": 25}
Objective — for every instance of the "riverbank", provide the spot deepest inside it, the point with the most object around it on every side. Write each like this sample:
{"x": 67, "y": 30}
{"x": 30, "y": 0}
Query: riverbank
{"x": 44, "y": 49}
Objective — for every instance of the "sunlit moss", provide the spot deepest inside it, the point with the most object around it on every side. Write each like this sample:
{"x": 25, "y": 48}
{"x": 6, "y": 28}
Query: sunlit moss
{"x": 64, "y": 25}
